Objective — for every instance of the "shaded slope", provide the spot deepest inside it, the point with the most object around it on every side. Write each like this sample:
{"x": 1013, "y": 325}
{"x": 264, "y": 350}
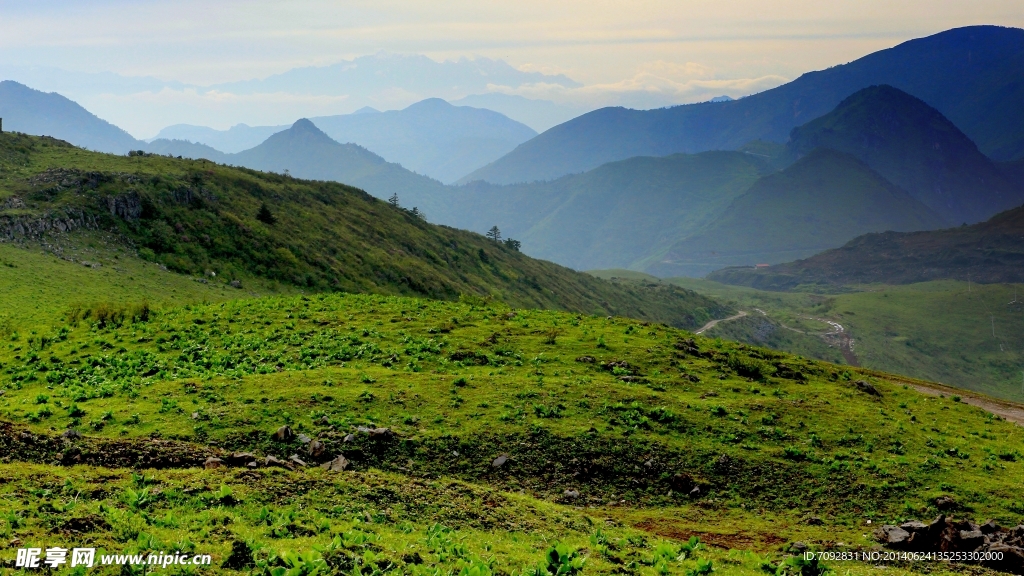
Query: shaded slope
{"x": 991, "y": 251}
{"x": 915, "y": 147}
{"x": 235, "y": 139}
{"x": 198, "y": 218}
{"x": 616, "y": 216}
{"x": 820, "y": 202}
{"x": 50, "y": 114}
{"x": 973, "y": 75}
{"x": 431, "y": 137}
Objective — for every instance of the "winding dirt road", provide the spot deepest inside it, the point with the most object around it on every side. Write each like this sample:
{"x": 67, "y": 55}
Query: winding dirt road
{"x": 714, "y": 323}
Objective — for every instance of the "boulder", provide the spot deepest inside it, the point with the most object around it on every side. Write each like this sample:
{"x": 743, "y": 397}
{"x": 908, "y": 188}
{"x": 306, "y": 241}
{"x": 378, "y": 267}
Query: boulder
{"x": 284, "y": 434}
{"x": 316, "y": 449}
{"x": 945, "y": 503}
{"x": 971, "y": 539}
{"x": 892, "y": 535}
{"x": 304, "y": 439}
{"x": 212, "y": 463}
{"x": 375, "y": 432}
{"x": 271, "y": 461}
{"x": 913, "y": 526}
{"x": 337, "y": 465}
{"x": 500, "y": 461}
{"x": 867, "y": 388}
{"x": 989, "y": 527}
{"x": 241, "y": 458}
{"x": 71, "y": 434}
{"x": 294, "y": 459}
{"x": 571, "y": 494}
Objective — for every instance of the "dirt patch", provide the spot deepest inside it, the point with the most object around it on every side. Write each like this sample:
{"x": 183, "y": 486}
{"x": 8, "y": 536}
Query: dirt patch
{"x": 741, "y": 540}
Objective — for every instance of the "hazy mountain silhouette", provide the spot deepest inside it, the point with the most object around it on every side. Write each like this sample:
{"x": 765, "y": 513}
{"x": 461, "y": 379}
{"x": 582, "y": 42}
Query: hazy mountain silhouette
{"x": 820, "y": 202}
{"x": 974, "y": 76}
{"x": 235, "y": 139}
{"x": 431, "y": 137}
{"x": 49, "y": 114}
{"x": 915, "y": 147}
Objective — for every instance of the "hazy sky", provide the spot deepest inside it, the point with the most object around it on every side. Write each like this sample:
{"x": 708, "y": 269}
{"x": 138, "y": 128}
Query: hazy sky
{"x": 688, "y": 49}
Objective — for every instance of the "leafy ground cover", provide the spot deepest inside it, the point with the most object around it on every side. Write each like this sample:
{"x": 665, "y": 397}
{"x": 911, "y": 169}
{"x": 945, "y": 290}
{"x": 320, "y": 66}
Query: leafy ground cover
{"x": 638, "y": 430}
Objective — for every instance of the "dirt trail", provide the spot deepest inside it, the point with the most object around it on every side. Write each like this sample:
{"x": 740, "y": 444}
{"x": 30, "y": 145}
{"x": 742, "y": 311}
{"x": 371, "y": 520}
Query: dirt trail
{"x": 713, "y": 323}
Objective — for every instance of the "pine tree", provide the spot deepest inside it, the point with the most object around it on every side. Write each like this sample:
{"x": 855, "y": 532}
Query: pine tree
{"x": 265, "y": 215}
{"x": 513, "y": 244}
{"x": 494, "y": 234}
{"x": 417, "y": 213}
{"x": 394, "y": 200}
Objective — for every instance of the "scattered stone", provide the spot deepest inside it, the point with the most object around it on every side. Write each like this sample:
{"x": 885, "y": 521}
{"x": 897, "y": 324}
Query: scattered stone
{"x": 695, "y": 493}
{"x": 376, "y": 432}
{"x": 241, "y": 458}
{"x": 270, "y": 461}
{"x": 989, "y": 527}
{"x": 813, "y": 521}
{"x": 571, "y": 494}
{"x": 586, "y": 359}
{"x": 971, "y": 539}
{"x": 212, "y": 463}
{"x": 71, "y": 434}
{"x": 253, "y": 464}
{"x": 304, "y": 439}
{"x": 337, "y": 465}
{"x": 294, "y": 459}
{"x": 316, "y": 449}
{"x": 500, "y": 461}
{"x": 195, "y": 415}
{"x": 797, "y": 548}
{"x": 236, "y": 284}
{"x": 867, "y": 388}
{"x": 892, "y": 535}
{"x": 349, "y": 438}
{"x": 913, "y": 526}
{"x": 284, "y": 434}
{"x": 945, "y": 503}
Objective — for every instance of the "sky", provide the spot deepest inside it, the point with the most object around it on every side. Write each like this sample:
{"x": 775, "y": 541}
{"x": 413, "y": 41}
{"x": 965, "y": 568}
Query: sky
{"x": 630, "y": 52}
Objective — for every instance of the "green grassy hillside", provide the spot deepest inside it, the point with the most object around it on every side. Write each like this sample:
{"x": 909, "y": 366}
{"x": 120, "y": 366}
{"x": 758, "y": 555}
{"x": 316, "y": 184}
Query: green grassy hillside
{"x": 623, "y": 440}
{"x": 821, "y": 201}
{"x": 938, "y": 331}
{"x": 916, "y": 148}
{"x": 989, "y": 252}
{"x": 202, "y": 219}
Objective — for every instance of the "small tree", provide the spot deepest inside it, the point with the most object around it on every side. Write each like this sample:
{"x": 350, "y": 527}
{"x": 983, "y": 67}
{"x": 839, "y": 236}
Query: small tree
{"x": 494, "y": 234}
{"x": 418, "y": 213}
{"x": 394, "y": 200}
{"x": 513, "y": 244}
{"x": 265, "y": 215}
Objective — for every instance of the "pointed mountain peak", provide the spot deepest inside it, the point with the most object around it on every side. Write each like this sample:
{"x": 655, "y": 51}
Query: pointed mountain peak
{"x": 305, "y": 125}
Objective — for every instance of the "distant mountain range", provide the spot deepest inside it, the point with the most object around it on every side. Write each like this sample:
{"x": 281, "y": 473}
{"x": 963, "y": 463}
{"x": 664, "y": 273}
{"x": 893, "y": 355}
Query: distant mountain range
{"x": 431, "y": 137}
{"x": 31, "y": 111}
{"x": 974, "y": 76}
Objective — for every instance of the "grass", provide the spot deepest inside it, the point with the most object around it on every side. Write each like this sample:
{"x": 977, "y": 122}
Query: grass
{"x": 200, "y": 219}
{"x": 633, "y": 431}
{"x": 939, "y": 331}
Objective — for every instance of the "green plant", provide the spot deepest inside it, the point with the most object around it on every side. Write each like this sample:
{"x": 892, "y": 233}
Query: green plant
{"x": 560, "y": 560}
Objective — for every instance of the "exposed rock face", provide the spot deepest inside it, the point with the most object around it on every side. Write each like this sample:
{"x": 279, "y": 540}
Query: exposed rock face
{"x": 126, "y": 206}
{"x": 946, "y": 535}
{"x": 35, "y": 227}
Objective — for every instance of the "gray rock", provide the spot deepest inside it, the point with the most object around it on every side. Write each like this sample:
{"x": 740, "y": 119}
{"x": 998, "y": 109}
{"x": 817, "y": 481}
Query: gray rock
{"x": 236, "y": 284}
{"x": 294, "y": 459}
{"x": 271, "y": 461}
{"x": 913, "y": 526}
{"x": 316, "y": 449}
{"x": 253, "y": 464}
{"x": 867, "y": 388}
{"x": 814, "y": 521}
{"x": 571, "y": 494}
{"x": 892, "y": 535}
{"x": 945, "y": 503}
{"x": 376, "y": 432}
{"x": 989, "y": 527}
{"x": 349, "y": 438}
{"x": 971, "y": 539}
{"x": 337, "y": 465}
{"x": 695, "y": 493}
{"x": 71, "y": 434}
{"x": 212, "y": 463}
{"x": 798, "y": 548}
{"x": 304, "y": 439}
{"x": 284, "y": 434}
{"x": 241, "y": 458}
{"x": 500, "y": 461}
